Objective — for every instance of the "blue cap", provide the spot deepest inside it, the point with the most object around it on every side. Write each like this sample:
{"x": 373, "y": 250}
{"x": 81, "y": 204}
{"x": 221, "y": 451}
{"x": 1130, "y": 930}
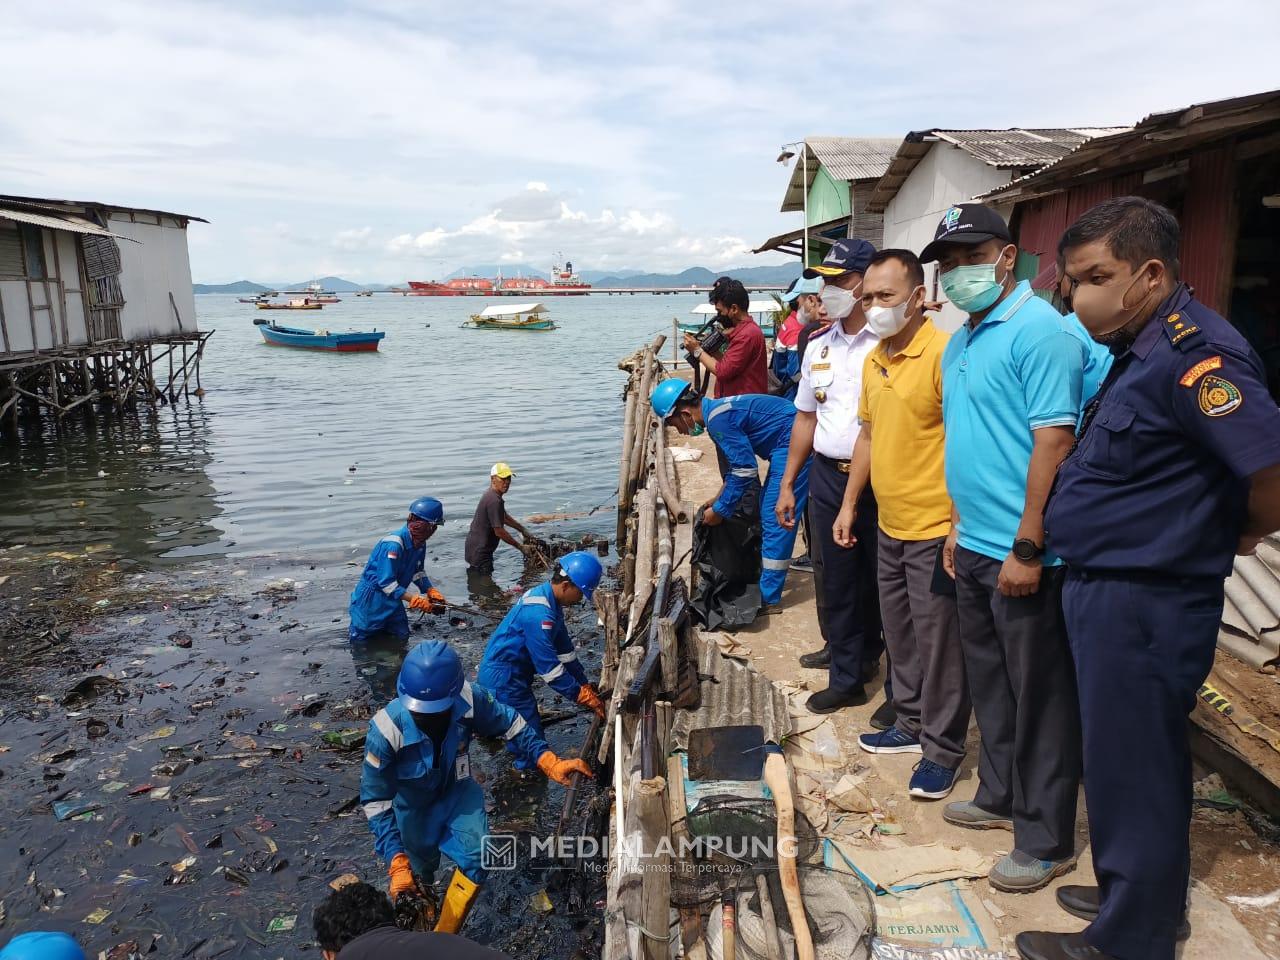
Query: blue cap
{"x": 846, "y": 256}
{"x": 802, "y": 285}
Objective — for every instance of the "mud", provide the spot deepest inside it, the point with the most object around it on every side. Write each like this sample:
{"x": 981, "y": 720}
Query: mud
{"x": 180, "y": 757}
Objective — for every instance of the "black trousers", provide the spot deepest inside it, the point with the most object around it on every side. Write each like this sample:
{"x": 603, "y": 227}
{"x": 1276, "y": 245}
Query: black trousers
{"x": 845, "y": 578}
{"x": 1142, "y": 648}
{"x": 1023, "y": 685}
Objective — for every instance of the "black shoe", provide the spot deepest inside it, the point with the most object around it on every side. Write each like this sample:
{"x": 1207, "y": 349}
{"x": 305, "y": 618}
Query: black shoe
{"x": 802, "y": 563}
{"x": 829, "y": 701}
{"x": 1038, "y": 945}
{"x": 818, "y": 660}
{"x": 885, "y": 716}
{"x": 869, "y": 670}
{"x": 1082, "y": 902}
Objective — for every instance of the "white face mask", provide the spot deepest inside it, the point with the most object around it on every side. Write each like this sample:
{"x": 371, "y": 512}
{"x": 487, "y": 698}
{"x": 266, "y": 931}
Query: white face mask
{"x": 887, "y": 321}
{"x": 838, "y": 301}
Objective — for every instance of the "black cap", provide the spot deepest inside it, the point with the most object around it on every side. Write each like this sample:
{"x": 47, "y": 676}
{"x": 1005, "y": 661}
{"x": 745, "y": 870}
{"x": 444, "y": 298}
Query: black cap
{"x": 846, "y": 256}
{"x": 967, "y": 223}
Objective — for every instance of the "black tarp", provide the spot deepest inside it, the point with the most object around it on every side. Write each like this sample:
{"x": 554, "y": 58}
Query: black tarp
{"x": 727, "y": 558}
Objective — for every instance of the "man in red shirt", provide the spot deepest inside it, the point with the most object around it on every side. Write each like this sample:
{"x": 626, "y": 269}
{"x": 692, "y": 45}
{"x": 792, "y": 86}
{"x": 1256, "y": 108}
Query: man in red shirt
{"x": 743, "y": 367}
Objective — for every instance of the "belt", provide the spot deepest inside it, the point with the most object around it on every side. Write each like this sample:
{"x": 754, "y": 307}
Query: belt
{"x": 1153, "y": 577}
{"x": 841, "y": 465}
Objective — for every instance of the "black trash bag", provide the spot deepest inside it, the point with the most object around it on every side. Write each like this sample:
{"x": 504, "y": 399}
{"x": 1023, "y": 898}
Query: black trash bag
{"x": 727, "y": 558}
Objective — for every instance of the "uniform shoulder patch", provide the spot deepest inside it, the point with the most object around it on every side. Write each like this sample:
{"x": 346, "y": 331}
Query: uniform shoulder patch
{"x": 372, "y": 760}
{"x": 1200, "y": 369}
{"x": 392, "y": 555}
{"x": 1179, "y": 328}
{"x": 1219, "y": 396}
{"x": 548, "y": 624}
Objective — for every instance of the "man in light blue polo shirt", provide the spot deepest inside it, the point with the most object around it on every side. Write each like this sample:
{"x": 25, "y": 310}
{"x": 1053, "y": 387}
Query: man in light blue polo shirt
{"x": 1013, "y": 384}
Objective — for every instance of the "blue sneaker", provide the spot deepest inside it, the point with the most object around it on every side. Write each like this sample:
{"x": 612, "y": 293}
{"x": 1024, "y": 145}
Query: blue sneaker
{"x": 931, "y": 781}
{"x": 892, "y": 740}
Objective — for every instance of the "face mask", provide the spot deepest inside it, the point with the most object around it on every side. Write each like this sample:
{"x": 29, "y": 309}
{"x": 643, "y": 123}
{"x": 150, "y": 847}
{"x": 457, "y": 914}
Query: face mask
{"x": 697, "y": 430}
{"x": 801, "y": 316}
{"x": 972, "y": 287}
{"x": 1105, "y": 315}
{"x": 887, "y": 321}
{"x": 838, "y": 301}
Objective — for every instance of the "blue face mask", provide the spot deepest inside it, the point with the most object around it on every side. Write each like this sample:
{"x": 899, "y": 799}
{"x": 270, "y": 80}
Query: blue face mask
{"x": 972, "y": 287}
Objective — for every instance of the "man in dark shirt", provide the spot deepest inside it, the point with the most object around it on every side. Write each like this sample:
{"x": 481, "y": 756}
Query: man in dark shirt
{"x": 490, "y": 523}
{"x": 744, "y": 365}
{"x": 357, "y": 922}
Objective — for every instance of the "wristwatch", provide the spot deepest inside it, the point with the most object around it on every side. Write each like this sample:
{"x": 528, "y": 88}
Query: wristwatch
{"x": 1027, "y": 549}
{"x": 697, "y": 354}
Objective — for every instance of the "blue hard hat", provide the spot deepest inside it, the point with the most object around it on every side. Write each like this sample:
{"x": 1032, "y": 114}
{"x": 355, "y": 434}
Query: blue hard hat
{"x": 42, "y": 945}
{"x": 430, "y": 677}
{"x": 582, "y": 569}
{"x": 427, "y": 508}
{"x": 664, "y": 396}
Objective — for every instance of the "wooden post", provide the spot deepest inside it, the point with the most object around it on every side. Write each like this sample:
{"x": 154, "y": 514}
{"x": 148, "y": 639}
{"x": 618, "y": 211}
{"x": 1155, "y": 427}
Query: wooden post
{"x": 624, "y": 467}
{"x": 670, "y": 653}
{"x": 666, "y": 475}
{"x": 778, "y": 779}
{"x": 645, "y": 542}
{"x": 685, "y": 871}
{"x": 608, "y": 603}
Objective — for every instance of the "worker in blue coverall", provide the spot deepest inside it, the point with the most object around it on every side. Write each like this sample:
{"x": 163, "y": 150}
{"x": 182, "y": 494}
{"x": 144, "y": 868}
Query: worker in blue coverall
{"x": 1175, "y": 470}
{"x": 532, "y": 640}
{"x": 394, "y": 577}
{"x": 416, "y": 786}
{"x": 743, "y": 428}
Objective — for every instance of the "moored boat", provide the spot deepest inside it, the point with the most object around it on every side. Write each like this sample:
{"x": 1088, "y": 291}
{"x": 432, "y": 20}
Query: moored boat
{"x": 764, "y": 312}
{"x": 352, "y": 341}
{"x": 295, "y": 304}
{"x": 514, "y": 316}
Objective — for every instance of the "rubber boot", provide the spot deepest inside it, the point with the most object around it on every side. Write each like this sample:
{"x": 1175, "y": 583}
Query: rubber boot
{"x": 457, "y": 903}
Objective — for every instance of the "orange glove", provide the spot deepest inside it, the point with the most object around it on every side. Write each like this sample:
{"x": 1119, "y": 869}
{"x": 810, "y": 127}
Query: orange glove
{"x": 422, "y": 602}
{"x": 436, "y": 598}
{"x": 559, "y": 770}
{"x": 401, "y": 873}
{"x": 589, "y": 698}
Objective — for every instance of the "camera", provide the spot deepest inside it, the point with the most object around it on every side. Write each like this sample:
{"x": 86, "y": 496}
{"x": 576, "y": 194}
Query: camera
{"x": 711, "y": 338}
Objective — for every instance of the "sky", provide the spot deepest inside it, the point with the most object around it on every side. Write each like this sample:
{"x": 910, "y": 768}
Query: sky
{"x": 384, "y": 140}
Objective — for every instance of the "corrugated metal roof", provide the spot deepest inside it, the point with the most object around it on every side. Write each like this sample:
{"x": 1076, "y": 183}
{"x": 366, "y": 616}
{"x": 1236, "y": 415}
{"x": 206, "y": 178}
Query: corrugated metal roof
{"x": 1251, "y": 615}
{"x": 62, "y": 222}
{"x": 845, "y": 158}
{"x": 1014, "y": 149}
{"x": 1155, "y": 136}
{"x": 45, "y": 202}
{"x": 732, "y": 693}
{"x": 792, "y": 241}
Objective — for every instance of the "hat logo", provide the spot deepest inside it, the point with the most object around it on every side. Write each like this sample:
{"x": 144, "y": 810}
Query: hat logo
{"x": 952, "y": 218}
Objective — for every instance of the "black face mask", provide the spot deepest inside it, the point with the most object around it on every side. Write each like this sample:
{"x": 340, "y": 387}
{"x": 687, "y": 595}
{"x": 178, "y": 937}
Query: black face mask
{"x": 1117, "y": 341}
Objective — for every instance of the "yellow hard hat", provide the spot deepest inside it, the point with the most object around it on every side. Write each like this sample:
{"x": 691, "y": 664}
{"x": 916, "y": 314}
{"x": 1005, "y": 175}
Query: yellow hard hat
{"x": 502, "y": 471}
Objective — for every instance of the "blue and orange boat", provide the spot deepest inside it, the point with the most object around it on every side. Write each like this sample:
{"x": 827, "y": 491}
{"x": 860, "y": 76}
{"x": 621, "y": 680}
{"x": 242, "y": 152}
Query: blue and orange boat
{"x": 353, "y": 341}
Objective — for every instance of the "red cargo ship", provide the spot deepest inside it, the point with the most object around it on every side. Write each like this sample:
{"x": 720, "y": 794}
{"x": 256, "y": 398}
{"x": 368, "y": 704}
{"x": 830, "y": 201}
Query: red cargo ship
{"x": 563, "y": 283}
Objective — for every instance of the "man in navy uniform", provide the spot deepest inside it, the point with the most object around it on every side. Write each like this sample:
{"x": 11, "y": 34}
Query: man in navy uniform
{"x": 1176, "y": 468}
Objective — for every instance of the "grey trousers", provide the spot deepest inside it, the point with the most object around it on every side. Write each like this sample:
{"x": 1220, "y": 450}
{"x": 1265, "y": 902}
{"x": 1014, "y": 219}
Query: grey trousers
{"x": 1023, "y": 683}
{"x": 922, "y": 632}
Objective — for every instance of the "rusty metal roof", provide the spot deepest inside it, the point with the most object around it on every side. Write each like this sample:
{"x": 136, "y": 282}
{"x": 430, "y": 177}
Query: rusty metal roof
{"x": 25, "y": 213}
{"x": 732, "y": 693}
{"x": 845, "y": 158}
{"x": 52, "y": 205}
{"x": 1152, "y": 139}
{"x": 1013, "y": 149}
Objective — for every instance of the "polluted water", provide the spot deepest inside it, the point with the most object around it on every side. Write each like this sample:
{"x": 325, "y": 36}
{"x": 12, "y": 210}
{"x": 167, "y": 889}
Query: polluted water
{"x": 181, "y": 768}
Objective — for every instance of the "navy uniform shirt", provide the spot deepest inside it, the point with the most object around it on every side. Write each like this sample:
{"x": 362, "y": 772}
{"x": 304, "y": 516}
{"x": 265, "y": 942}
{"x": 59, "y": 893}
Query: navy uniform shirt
{"x": 1158, "y": 481}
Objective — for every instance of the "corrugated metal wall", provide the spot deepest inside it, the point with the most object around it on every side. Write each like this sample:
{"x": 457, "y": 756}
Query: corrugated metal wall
{"x": 1209, "y": 226}
{"x": 1207, "y": 218}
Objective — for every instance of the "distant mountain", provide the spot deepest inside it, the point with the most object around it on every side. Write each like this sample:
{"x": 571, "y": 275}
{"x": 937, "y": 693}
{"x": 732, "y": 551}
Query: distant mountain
{"x": 702, "y": 277}
{"x": 592, "y": 276}
{"x": 240, "y": 286}
{"x": 506, "y": 269}
{"x": 336, "y": 284}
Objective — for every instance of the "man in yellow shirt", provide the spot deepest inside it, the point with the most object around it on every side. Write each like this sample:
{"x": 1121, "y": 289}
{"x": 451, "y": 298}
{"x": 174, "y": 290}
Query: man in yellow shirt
{"x": 899, "y": 450}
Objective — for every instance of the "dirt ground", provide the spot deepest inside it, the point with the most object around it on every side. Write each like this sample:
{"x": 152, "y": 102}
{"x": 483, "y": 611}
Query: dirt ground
{"x": 1229, "y": 858}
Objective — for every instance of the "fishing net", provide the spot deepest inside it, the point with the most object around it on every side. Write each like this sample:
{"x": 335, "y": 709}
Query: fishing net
{"x": 729, "y": 838}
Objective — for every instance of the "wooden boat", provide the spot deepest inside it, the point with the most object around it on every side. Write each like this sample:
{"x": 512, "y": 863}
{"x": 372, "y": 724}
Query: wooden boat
{"x": 323, "y": 298}
{"x": 258, "y": 299}
{"x": 295, "y": 304}
{"x": 513, "y": 316}
{"x": 364, "y": 293}
{"x": 764, "y": 312}
{"x": 352, "y": 341}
